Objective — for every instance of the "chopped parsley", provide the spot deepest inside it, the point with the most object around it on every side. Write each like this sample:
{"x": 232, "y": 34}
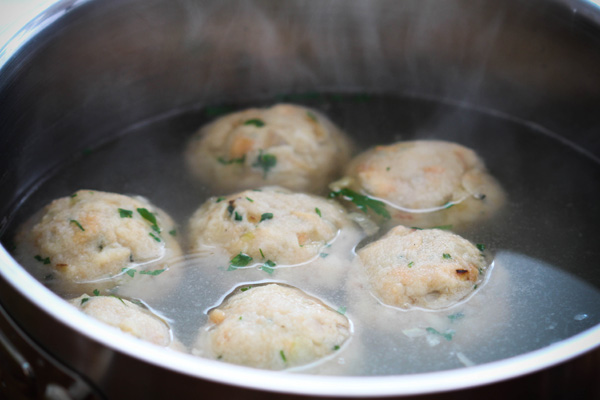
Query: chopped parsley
{"x": 220, "y": 199}
{"x": 480, "y": 246}
{"x": 323, "y": 255}
{"x": 312, "y": 116}
{"x": 148, "y": 216}
{"x": 153, "y": 273}
{"x": 448, "y": 335}
{"x": 318, "y": 212}
{"x": 410, "y": 264}
{"x": 125, "y": 213}
{"x": 456, "y": 316}
{"x": 448, "y": 205}
{"x": 241, "y": 260}
{"x": 74, "y": 195}
{"x": 268, "y": 267}
{"x": 336, "y": 347}
{"x": 282, "y": 356}
{"x": 118, "y": 298}
{"x": 446, "y": 256}
{"x": 239, "y": 160}
{"x": 480, "y": 270}
{"x": 154, "y": 236}
{"x": 266, "y": 216}
{"x": 388, "y": 168}
{"x": 74, "y": 221}
{"x": 475, "y": 287}
{"x": 230, "y": 208}
{"x": 214, "y": 111}
{"x": 173, "y": 232}
{"x": 261, "y": 253}
{"x": 265, "y": 162}
{"x": 246, "y": 288}
{"x": 42, "y": 260}
{"x": 96, "y": 292}
{"x": 362, "y": 202}
{"x": 249, "y": 199}
{"x": 237, "y": 217}
{"x": 342, "y": 310}
{"x": 129, "y": 271}
{"x": 84, "y": 300}
{"x": 259, "y": 123}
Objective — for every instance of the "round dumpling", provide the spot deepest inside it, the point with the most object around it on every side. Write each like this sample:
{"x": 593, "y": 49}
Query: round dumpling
{"x": 127, "y": 316}
{"x": 85, "y": 241}
{"x": 271, "y": 224}
{"x": 272, "y": 327}
{"x": 423, "y": 183}
{"x": 428, "y": 268}
{"x": 286, "y": 145}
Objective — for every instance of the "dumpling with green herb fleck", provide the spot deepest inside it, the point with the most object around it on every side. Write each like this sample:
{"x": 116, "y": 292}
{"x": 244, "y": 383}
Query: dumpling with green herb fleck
{"x": 127, "y": 316}
{"x": 269, "y": 228}
{"x": 272, "y": 327}
{"x": 97, "y": 240}
{"x": 426, "y": 268}
{"x": 286, "y": 145}
{"x": 424, "y": 183}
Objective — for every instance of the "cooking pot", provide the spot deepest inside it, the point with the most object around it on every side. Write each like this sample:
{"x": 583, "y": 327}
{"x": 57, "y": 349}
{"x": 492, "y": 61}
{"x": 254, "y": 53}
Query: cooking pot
{"x": 82, "y": 71}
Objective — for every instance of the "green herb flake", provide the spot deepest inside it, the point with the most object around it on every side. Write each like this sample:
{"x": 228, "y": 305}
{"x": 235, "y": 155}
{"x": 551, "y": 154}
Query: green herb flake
{"x": 342, "y": 310}
{"x": 150, "y": 217}
{"x": 173, "y": 232}
{"x": 312, "y": 116}
{"x": 448, "y": 335}
{"x": 237, "y": 217}
{"x": 220, "y": 199}
{"x": 96, "y": 292}
{"x": 388, "y": 168}
{"x": 448, "y": 205}
{"x": 249, "y": 199}
{"x": 215, "y": 111}
{"x": 323, "y": 255}
{"x": 363, "y": 202}
{"x": 241, "y": 260}
{"x": 259, "y": 123}
{"x": 129, "y": 271}
{"x": 74, "y": 221}
{"x": 84, "y": 300}
{"x": 336, "y": 347}
{"x": 282, "y": 356}
{"x": 74, "y": 195}
{"x": 154, "y": 236}
{"x": 265, "y": 162}
{"x": 125, "y": 213}
{"x": 245, "y": 288}
{"x": 240, "y": 318}
{"x": 475, "y": 287}
{"x": 411, "y": 264}
{"x": 239, "y": 160}
{"x": 261, "y": 253}
{"x": 480, "y": 247}
{"x": 230, "y": 209}
{"x": 266, "y": 216}
{"x": 268, "y": 267}
{"x": 446, "y": 256}
{"x": 318, "y": 212}
{"x": 118, "y": 298}
{"x": 45, "y": 261}
{"x": 480, "y": 270}
{"x": 456, "y": 316}
{"x": 153, "y": 273}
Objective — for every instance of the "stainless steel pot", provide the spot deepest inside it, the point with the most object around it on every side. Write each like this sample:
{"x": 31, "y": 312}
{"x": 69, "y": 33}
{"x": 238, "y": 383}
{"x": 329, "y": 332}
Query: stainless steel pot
{"x": 83, "y": 70}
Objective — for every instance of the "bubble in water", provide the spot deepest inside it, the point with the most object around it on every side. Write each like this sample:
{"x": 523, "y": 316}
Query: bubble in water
{"x": 580, "y": 317}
